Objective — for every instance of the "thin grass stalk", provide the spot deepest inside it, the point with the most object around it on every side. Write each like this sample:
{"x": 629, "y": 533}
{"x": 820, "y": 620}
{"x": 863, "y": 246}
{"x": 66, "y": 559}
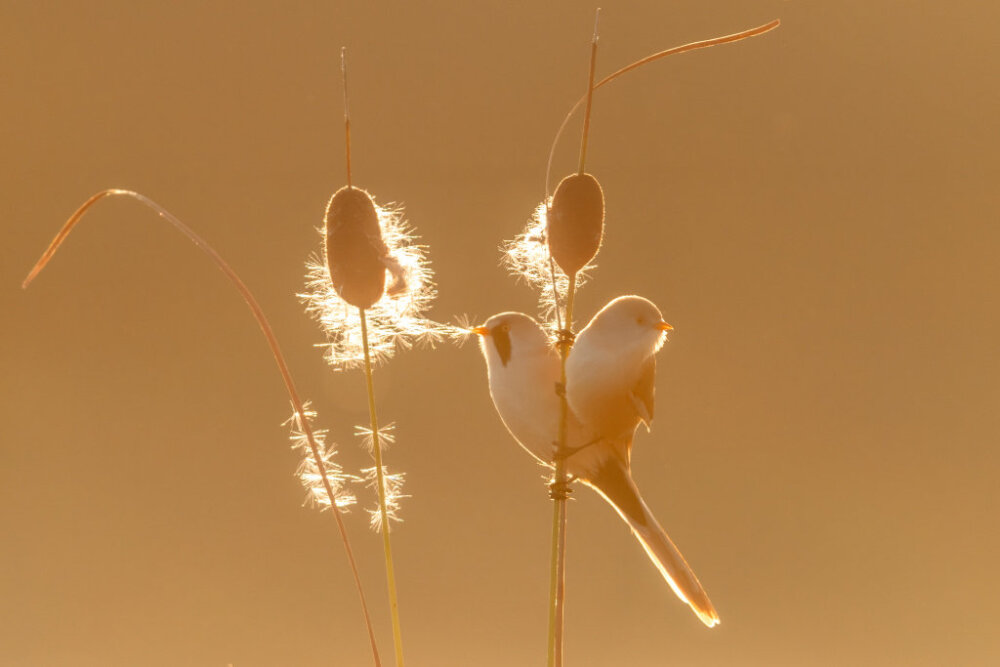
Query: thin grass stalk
{"x": 390, "y": 572}
{"x": 272, "y": 342}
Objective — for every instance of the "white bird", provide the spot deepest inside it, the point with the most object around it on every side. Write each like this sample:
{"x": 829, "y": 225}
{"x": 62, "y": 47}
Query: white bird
{"x": 524, "y": 373}
{"x": 523, "y": 370}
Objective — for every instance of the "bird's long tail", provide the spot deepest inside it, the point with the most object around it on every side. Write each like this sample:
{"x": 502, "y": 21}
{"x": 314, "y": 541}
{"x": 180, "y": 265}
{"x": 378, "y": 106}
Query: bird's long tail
{"x": 614, "y": 482}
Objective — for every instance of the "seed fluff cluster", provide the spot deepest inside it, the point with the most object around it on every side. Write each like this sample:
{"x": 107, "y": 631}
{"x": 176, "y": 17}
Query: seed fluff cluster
{"x": 393, "y": 481}
{"x": 308, "y": 472}
{"x": 393, "y": 494}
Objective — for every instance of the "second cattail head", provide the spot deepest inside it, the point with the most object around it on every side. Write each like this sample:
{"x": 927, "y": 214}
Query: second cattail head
{"x": 575, "y": 222}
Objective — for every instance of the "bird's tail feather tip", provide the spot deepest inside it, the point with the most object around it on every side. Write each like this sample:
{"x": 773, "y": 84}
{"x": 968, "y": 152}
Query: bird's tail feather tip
{"x": 709, "y": 618}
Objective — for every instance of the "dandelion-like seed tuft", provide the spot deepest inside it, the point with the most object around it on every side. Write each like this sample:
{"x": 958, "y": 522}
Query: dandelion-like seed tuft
{"x": 308, "y": 472}
{"x": 386, "y": 436}
{"x": 463, "y": 329}
{"x": 393, "y": 484}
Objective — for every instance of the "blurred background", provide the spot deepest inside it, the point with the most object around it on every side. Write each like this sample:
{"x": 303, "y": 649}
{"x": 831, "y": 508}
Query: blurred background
{"x": 814, "y": 210}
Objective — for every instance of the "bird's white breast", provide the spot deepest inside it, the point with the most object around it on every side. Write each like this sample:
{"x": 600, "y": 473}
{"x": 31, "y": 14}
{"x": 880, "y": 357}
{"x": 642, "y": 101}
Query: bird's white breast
{"x": 524, "y": 393}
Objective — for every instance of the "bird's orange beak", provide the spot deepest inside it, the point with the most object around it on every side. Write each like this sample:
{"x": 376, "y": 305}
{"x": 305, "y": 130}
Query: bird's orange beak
{"x": 663, "y": 326}
{"x": 482, "y": 331}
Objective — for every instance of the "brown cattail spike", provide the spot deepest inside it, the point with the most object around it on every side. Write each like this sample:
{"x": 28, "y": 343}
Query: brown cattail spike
{"x": 576, "y": 222}
{"x": 355, "y": 252}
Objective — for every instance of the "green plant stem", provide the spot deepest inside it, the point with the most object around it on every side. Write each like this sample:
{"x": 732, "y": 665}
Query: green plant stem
{"x": 390, "y": 573}
{"x": 559, "y": 491}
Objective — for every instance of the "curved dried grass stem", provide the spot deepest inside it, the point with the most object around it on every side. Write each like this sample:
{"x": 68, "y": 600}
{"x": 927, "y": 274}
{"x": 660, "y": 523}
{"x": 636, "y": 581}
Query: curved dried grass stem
{"x": 752, "y": 32}
{"x": 390, "y": 572}
{"x": 272, "y": 342}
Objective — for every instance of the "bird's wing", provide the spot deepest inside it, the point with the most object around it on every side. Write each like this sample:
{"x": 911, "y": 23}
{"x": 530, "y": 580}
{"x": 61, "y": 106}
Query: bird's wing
{"x": 644, "y": 390}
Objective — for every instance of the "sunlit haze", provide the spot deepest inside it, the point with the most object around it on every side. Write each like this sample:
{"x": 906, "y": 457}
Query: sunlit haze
{"x": 814, "y": 210}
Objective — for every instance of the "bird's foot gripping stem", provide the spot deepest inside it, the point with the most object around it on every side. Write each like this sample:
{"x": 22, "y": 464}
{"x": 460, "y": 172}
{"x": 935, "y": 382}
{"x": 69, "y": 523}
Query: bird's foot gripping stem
{"x": 565, "y": 338}
{"x": 560, "y": 489}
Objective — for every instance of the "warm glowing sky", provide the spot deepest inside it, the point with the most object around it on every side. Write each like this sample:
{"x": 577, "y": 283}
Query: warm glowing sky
{"x": 815, "y": 211}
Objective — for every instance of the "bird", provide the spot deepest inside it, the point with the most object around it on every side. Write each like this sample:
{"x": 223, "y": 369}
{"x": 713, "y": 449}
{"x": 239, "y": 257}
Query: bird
{"x": 524, "y": 372}
{"x": 611, "y": 372}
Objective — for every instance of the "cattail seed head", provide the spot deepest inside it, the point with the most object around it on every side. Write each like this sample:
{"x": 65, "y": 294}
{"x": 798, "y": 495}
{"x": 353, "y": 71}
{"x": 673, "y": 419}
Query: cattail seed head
{"x": 576, "y": 222}
{"x": 396, "y": 319}
{"x": 355, "y": 252}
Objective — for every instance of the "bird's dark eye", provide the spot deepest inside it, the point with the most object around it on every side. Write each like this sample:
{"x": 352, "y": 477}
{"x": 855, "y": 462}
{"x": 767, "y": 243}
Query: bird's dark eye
{"x": 640, "y": 321}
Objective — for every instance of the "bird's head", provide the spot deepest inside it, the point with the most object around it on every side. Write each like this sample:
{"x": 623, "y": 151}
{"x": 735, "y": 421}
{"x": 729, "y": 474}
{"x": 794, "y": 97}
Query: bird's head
{"x": 507, "y": 336}
{"x": 632, "y": 321}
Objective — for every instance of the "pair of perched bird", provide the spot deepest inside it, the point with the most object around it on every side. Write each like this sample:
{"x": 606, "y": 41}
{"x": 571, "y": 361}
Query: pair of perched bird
{"x": 610, "y": 371}
{"x": 609, "y": 388}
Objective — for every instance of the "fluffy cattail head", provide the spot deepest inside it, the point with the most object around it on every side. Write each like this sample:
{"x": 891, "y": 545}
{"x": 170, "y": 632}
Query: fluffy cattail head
{"x": 355, "y": 252}
{"x": 396, "y": 320}
{"x": 576, "y": 222}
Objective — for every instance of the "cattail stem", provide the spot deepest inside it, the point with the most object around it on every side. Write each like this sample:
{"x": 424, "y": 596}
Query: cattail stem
{"x": 272, "y": 342}
{"x": 557, "y": 579}
{"x": 559, "y": 492}
{"x": 590, "y": 95}
{"x": 347, "y": 114}
{"x": 390, "y": 572}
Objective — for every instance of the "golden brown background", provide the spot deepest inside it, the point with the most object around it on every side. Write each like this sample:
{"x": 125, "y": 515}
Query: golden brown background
{"x": 814, "y": 210}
